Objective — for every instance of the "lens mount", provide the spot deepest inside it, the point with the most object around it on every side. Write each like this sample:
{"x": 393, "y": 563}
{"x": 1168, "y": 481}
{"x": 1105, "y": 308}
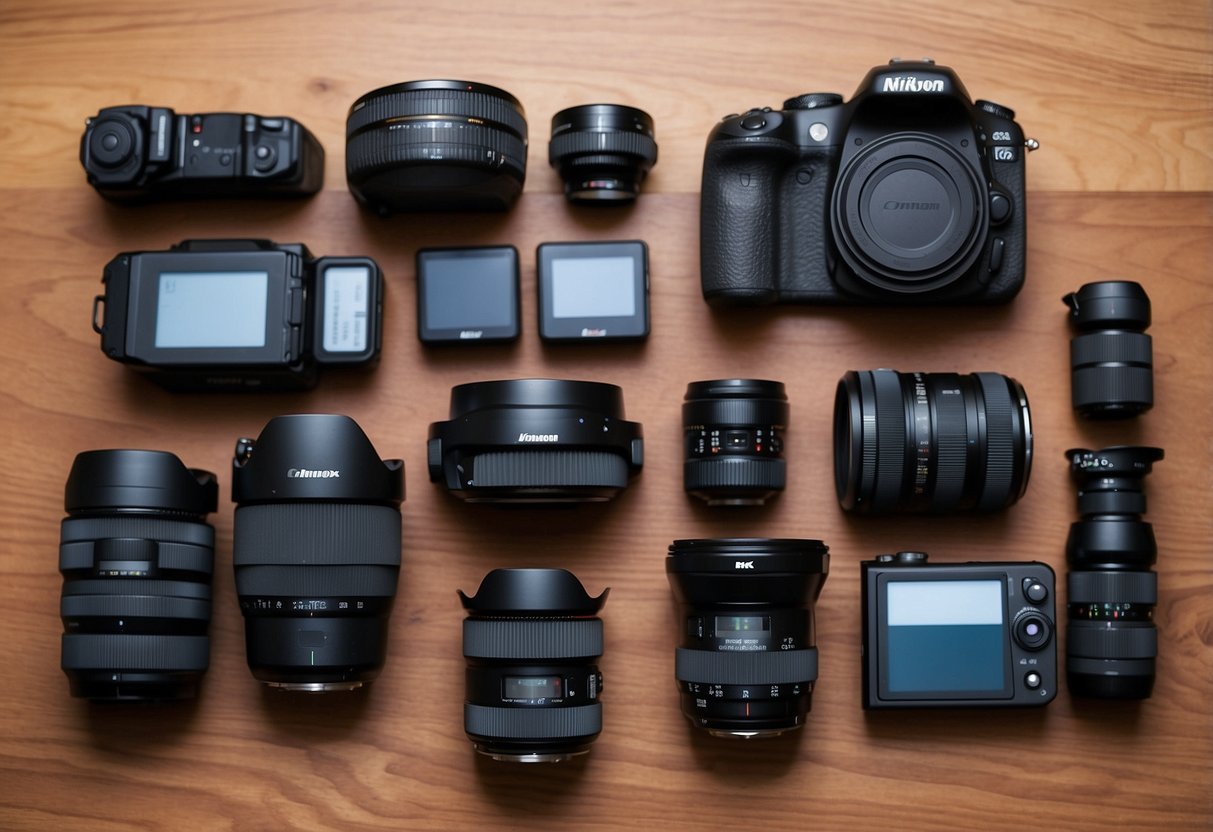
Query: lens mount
{"x": 602, "y": 151}
{"x": 733, "y": 433}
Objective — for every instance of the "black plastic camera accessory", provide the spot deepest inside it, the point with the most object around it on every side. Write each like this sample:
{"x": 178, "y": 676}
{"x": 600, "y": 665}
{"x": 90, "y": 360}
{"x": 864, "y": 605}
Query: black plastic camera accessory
{"x": 532, "y": 640}
{"x": 909, "y": 193}
{"x": 603, "y": 152}
{"x": 1112, "y": 358}
{"x": 316, "y": 551}
{"x": 734, "y": 432}
{"x": 229, "y": 315}
{"x": 137, "y": 557}
{"x": 468, "y": 295}
{"x": 949, "y": 635}
{"x": 135, "y": 153}
{"x": 591, "y": 292}
{"x": 535, "y": 440}
{"x": 1111, "y": 640}
{"x": 436, "y": 146}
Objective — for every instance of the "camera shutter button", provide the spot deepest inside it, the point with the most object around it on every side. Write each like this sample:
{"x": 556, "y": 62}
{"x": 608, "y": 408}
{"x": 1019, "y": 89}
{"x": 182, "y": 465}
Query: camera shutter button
{"x": 1035, "y": 591}
{"x": 813, "y": 100}
{"x": 753, "y": 122}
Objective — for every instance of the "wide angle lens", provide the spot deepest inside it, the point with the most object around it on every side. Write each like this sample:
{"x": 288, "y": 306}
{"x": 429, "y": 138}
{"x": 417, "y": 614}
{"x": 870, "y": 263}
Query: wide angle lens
{"x": 733, "y": 439}
{"x": 603, "y": 152}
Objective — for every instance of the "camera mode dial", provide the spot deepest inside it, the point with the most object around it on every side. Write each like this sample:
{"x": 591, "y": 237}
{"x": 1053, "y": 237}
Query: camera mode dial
{"x": 995, "y": 109}
{"x": 813, "y": 100}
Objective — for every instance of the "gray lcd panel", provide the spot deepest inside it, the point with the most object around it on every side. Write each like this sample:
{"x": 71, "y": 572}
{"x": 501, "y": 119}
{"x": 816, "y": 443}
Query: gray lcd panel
{"x": 196, "y": 310}
{"x": 593, "y": 287}
{"x": 946, "y": 636}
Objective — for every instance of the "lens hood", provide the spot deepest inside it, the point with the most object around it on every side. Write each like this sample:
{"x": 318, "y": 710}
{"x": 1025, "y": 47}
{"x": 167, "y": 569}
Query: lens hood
{"x": 549, "y": 592}
{"x": 138, "y": 481}
{"x": 1109, "y": 304}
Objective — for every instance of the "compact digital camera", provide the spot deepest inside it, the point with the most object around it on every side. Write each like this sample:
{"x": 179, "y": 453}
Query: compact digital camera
{"x": 909, "y": 193}
{"x": 143, "y": 153}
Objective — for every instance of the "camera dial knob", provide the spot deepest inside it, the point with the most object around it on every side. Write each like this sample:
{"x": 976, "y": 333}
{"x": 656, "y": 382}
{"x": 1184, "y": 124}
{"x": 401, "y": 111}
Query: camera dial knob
{"x": 813, "y": 100}
{"x": 995, "y": 109}
{"x": 912, "y": 558}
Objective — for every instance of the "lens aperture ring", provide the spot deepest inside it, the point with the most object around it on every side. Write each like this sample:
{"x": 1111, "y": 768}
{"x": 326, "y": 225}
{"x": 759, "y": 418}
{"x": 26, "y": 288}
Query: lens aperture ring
{"x": 745, "y": 668}
{"x": 549, "y": 469}
{"x": 135, "y": 652}
{"x": 1112, "y": 639}
{"x": 532, "y": 639}
{"x": 391, "y": 106}
{"x": 532, "y": 723}
{"x": 1115, "y": 587}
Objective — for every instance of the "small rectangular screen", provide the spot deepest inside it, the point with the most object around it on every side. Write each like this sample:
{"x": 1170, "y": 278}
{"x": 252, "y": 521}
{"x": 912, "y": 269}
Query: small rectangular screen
{"x": 469, "y": 291}
{"x": 211, "y": 309}
{"x": 346, "y": 306}
{"x": 532, "y": 687}
{"x": 741, "y": 623}
{"x": 946, "y": 636}
{"x": 593, "y": 287}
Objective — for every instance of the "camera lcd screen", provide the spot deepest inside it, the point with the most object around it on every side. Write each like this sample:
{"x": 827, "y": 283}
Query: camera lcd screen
{"x": 593, "y": 291}
{"x": 945, "y": 636}
{"x": 196, "y": 310}
{"x": 532, "y": 687}
{"x": 593, "y": 287}
{"x": 467, "y": 294}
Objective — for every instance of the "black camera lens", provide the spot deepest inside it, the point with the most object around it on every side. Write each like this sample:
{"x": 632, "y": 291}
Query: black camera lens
{"x": 137, "y": 556}
{"x": 603, "y": 152}
{"x": 932, "y": 442}
{"x": 436, "y": 146}
{"x": 748, "y": 658}
{"x": 733, "y": 429}
{"x": 316, "y": 551}
{"x": 535, "y": 440}
{"x": 1112, "y": 359}
{"x": 1111, "y": 640}
{"x": 531, "y": 639}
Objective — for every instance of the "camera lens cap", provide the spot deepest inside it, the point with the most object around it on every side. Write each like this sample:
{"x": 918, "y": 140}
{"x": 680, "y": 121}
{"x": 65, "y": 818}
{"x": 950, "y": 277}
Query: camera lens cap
{"x": 111, "y": 142}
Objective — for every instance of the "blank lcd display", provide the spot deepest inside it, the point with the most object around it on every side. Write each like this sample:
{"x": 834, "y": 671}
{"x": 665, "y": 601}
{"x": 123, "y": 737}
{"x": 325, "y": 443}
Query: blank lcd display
{"x": 197, "y": 310}
{"x": 594, "y": 287}
{"x": 469, "y": 290}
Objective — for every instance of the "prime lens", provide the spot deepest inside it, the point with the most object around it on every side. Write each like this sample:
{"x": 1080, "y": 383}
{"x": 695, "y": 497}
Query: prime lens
{"x": 316, "y": 551}
{"x": 733, "y": 432}
{"x": 930, "y": 442}
{"x": 602, "y": 151}
{"x": 137, "y": 556}
{"x": 1112, "y": 358}
{"x": 436, "y": 146}
{"x": 1111, "y": 640}
{"x": 532, "y": 640}
{"x": 748, "y": 658}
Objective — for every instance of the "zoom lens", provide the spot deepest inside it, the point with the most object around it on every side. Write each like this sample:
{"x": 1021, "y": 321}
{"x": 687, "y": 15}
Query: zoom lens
{"x": 748, "y": 658}
{"x": 532, "y": 639}
{"x": 733, "y": 430}
{"x": 603, "y": 152}
{"x": 436, "y": 146}
{"x": 137, "y": 558}
{"x": 316, "y": 551}
{"x": 535, "y": 440}
{"x": 933, "y": 442}
{"x": 1112, "y": 359}
{"x": 1111, "y": 640}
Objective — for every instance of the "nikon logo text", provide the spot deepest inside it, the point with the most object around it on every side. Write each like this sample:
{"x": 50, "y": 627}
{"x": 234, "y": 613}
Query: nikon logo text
{"x": 893, "y": 205}
{"x": 909, "y": 83}
{"x": 743, "y": 564}
{"x": 538, "y": 437}
{"x": 304, "y": 473}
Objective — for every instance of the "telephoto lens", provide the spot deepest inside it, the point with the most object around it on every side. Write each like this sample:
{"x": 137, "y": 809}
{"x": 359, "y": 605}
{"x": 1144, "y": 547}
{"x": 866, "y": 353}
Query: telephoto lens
{"x": 532, "y": 639}
{"x": 436, "y": 146}
{"x": 1111, "y": 640}
{"x": 748, "y": 658}
{"x": 535, "y": 440}
{"x": 930, "y": 442}
{"x": 734, "y": 440}
{"x": 1112, "y": 358}
{"x": 603, "y": 152}
{"x": 316, "y": 551}
{"x": 137, "y": 556}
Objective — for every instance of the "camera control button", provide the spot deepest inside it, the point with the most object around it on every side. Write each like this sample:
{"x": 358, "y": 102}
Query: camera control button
{"x": 753, "y": 122}
{"x": 813, "y": 100}
{"x": 1000, "y": 208}
{"x": 296, "y": 318}
{"x": 274, "y": 124}
{"x": 264, "y": 157}
{"x": 997, "y": 249}
{"x": 1032, "y": 680}
{"x": 995, "y": 109}
{"x": 913, "y": 558}
{"x": 225, "y": 159}
{"x": 1035, "y": 591}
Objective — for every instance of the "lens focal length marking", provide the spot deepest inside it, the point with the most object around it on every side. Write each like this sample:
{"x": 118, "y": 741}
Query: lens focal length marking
{"x": 342, "y": 606}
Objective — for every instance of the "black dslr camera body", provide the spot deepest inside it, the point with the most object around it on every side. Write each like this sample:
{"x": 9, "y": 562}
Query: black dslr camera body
{"x": 909, "y": 193}
{"x": 133, "y": 153}
{"x": 227, "y": 315}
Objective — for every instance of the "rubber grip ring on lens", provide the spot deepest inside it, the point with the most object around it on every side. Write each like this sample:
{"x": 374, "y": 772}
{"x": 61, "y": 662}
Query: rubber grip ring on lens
{"x": 727, "y": 667}
{"x": 735, "y": 472}
{"x": 1000, "y": 442}
{"x": 549, "y": 469}
{"x": 532, "y": 723}
{"x": 532, "y": 639}
{"x": 1112, "y": 640}
{"x": 1112, "y": 587}
{"x": 890, "y": 438}
{"x": 132, "y": 653}
{"x": 951, "y": 448}
{"x": 445, "y": 103}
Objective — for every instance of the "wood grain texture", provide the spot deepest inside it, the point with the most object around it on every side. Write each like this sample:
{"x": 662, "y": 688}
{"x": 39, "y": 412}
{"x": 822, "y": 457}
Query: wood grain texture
{"x": 1118, "y": 94}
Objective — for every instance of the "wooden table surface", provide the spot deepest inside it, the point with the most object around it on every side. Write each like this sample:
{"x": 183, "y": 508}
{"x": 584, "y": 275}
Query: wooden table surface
{"x": 1118, "y": 94}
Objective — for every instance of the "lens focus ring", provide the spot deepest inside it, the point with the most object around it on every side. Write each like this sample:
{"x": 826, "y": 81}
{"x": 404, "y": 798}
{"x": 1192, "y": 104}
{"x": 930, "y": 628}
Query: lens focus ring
{"x": 532, "y": 639}
{"x": 1111, "y": 640}
{"x": 741, "y": 668}
{"x": 1113, "y": 587}
{"x": 532, "y": 723}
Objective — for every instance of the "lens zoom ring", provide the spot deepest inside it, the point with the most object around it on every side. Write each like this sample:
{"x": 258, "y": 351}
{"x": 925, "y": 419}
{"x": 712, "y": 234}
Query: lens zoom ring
{"x": 1108, "y": 640}
{"x": 735, "y": 412}
{"x": 890, "y": 439}
{"x": 545, "y": 469}
{"x": 1112, "y": 385}
{"x": 531, "y": 639}
{"x": 329, "y": 534}
{"x": 951, "y": 450}
{"x": 1111, "y": 347}
{"x": 137, "y": 586}
{"x": 80, "y": 529}
{"x": 457, "y": 103}
{"x": 1000, "y": 442}
{"x": 735, "y": 472}
{"x": 310, "y": 581}
{"x": 134, "y": 653}
{"x": 784, "y": 667}
{"x": 1112, "y": 587}
{"x": 134, "y": 606}
{"x": 578, "y": 142}
{"x": 468, "y": 144}
{"x": 532, "y": 723}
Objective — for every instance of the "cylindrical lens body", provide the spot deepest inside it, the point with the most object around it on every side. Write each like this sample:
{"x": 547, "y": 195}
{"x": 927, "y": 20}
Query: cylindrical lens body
{"x": 603, "y": 152}
{"x": 1111, "y": 359}
{"x": 436, "y": 146}
{"x": 1111, "y": 639}
{"x": 532, "y": 640}
{"x": 316, "y": 551}
{"x": 733, "y": 439}
{"x": 137, "y": 559}
{"x": 930, "y": 442}
{"x": 748, "y": 657}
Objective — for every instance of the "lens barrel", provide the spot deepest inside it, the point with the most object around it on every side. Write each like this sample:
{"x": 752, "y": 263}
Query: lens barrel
{"x": 137, "y": 559}
{"x": 532, "y": 639}
{"x": 930, "y": 442}
{"x": 436, "y": 146}
{"x": 1111, "y": 359}
{"x": 748, "y": 658}
{"x": 733, "y": 430}
{"x": 316, "y": 551}
{"x": 603, "y": 152}
{"x": 535, "y": 440}
{"x": 1111, "y": 640}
